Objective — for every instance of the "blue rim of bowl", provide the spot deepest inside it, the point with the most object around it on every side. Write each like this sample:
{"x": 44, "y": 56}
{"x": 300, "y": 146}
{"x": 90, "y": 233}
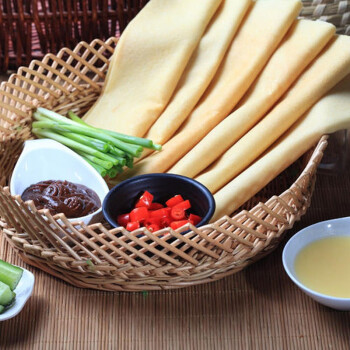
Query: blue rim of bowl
{"x": 204, "y": 189}
{"x": 292, "y": 276}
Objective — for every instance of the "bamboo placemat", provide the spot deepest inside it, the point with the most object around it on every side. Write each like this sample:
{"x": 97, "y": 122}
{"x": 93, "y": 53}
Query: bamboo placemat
{"x": 258, "y": 308}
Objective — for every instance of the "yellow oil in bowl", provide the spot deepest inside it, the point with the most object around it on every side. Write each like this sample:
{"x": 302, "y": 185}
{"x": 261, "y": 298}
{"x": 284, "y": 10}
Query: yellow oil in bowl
{"x": 324, "y": 266}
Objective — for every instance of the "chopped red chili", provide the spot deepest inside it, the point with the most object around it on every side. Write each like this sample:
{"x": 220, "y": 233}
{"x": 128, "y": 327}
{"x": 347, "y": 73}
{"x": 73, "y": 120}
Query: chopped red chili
{"x": 174, "y": 200}
{"x": 155, "y": 216}
{"x": 145, "y": 200}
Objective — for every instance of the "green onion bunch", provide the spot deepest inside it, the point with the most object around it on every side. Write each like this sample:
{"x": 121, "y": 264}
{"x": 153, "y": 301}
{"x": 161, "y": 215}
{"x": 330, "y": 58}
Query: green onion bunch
{"x": 107, "y": 151}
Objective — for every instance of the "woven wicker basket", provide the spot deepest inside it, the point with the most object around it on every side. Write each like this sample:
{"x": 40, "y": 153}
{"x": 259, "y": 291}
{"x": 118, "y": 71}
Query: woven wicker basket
{"x": 31, "y": 28}
{"x": 98, "y": 257}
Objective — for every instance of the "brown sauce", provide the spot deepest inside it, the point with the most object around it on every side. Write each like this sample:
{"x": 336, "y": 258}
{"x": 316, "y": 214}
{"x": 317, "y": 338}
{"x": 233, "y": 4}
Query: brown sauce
{"x": 74, "y": 200}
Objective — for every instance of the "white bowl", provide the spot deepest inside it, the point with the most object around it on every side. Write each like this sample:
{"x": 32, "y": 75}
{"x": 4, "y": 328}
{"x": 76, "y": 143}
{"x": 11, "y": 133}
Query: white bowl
{"x": 23, "y": 291}
{"x": 337, "y": 227}
{"x": 46, "y": 159}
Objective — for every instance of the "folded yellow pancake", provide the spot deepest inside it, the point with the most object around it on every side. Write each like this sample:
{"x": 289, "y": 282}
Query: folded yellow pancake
{"x": 328, "y": 115}
{"x": 299, "y": 47}
{"x": 259, "y": 35}
{"x": 200, "y": 69}
{"x": 331, "y": 66}
{"x": 149, "y": 59}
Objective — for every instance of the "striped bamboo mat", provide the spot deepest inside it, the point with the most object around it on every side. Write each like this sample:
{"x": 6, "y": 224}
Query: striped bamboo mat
{"x": 258, "y": 308}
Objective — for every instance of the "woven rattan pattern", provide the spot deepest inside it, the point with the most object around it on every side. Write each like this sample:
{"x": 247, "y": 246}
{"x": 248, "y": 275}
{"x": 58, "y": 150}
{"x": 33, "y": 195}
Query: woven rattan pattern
{"x": 31, "y": 28}
{"x": 332, "y": 11}
{"x": 98, "y": 257}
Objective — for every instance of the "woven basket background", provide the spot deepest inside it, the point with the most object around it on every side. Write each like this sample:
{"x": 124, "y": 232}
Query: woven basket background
{"x": 31, "y": 28}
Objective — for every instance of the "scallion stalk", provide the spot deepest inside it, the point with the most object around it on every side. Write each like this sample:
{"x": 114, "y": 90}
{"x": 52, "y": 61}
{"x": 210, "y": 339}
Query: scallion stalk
{"x": 112, "y": 172}
{"x": 102, "y": 171}
{"x": 88, "y": 141}
{"x": 104, "y": 163}
{"x": 73, "y": 144}
{"x": 135, "y": 150}
{"x": 107, "y": 151}
{"x": 126, "y": 138}
{"x": 115, "y": 151}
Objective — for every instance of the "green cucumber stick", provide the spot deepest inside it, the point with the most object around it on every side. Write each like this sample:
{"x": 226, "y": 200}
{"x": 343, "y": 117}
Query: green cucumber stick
{"x": 73, "y": 144}
{"x": 6, "y": 295}
{"x": 10, "y": 274}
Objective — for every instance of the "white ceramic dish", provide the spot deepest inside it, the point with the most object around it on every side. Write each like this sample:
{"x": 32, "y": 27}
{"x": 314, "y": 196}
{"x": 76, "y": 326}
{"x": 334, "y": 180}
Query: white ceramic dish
{"x": 23, "y": 291}
{"x": 46, "y": 159}
{"x": 337, "y": 227}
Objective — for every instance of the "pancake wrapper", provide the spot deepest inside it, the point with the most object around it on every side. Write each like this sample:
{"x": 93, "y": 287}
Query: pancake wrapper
{"x": 303, "y": 42}
{"x": 147, "y": 64}
{"x": 329, "y": 114}
{"x": 258, "y": 37}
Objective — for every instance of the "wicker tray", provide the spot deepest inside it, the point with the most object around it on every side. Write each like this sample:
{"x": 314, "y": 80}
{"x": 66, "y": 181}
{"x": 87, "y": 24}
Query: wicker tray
{"x": 31, "y": 28}
{"x": 98, "y": 257}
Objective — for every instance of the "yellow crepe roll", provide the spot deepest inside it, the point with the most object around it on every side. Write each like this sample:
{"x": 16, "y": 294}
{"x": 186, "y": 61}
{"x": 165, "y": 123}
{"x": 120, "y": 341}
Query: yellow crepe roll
{"x": 331, "y": 66}
{"x": 299, "y": 47}
{"x": 328, "y": 115}
{"x": 260, "y": 33}
{"x": 200, "y": 69}
{"x": 149, "y": 59}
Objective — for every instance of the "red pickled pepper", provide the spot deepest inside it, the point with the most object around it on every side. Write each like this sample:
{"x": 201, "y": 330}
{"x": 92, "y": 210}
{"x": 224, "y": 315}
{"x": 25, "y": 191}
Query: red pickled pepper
{"x": 195, "y": 218}
{"x": 177, "y": 213}
{"x": 145, "y": 200}
{"x": 123, "y": 219}
{"x": 155, "y": 216}
{"x": 176, "y": 224}
{"x": 139, "y": 214}
{"x": 131, "y": 226}
{"x": 174, "y": 200}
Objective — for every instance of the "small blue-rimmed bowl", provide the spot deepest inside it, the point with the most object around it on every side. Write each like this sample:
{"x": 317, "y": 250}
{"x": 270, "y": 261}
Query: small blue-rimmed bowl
{"x": 121, "y": 198}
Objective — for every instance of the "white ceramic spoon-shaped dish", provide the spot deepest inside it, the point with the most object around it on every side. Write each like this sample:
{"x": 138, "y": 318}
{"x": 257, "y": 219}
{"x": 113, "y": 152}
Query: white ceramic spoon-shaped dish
{"x": 46, "y": 159}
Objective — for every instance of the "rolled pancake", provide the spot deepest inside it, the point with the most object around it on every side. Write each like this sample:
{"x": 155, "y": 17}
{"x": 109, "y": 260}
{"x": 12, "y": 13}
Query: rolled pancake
{"x": 149, "y": 59}
{"x": 200, "y": 69}
{"x": 330, "y": 67}
{"x": 260, "y": 33}
{"x": 328, "y": 115}
{"x": 300, "y": 46}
